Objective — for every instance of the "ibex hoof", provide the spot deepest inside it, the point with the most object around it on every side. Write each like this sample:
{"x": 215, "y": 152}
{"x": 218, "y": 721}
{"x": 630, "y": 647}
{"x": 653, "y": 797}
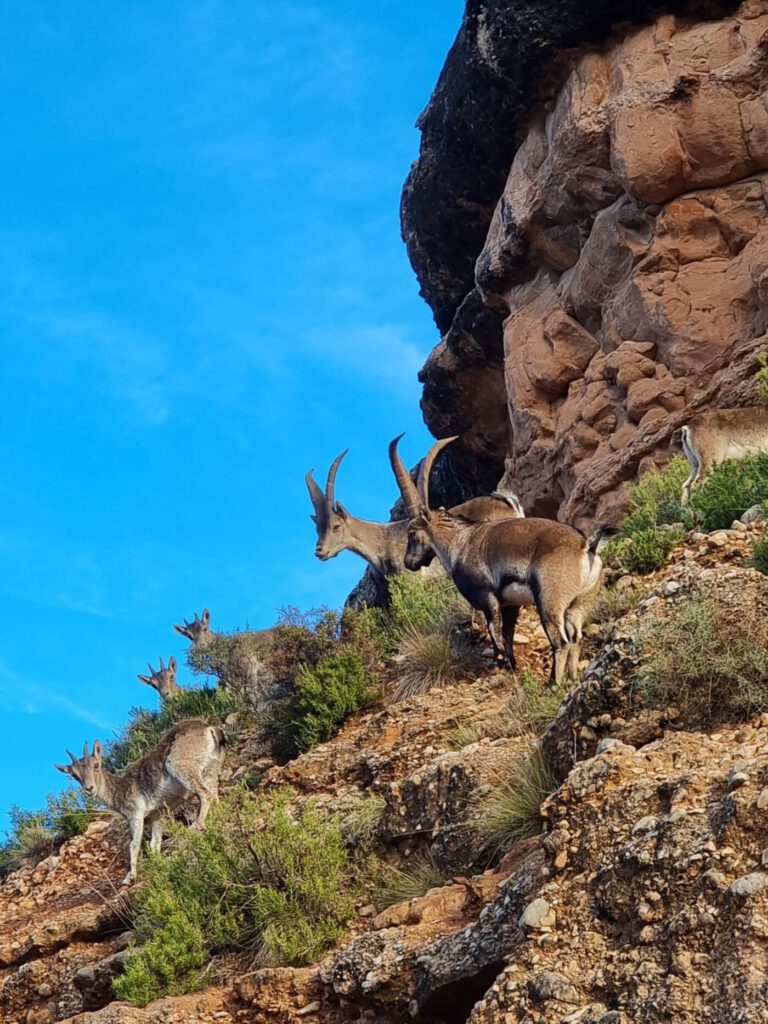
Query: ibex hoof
{"x": 129, "y": 879}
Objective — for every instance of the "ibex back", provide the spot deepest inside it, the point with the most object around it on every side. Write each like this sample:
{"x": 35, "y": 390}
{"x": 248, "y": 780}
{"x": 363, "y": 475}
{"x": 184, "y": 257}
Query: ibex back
{"x": 185, "y": 763}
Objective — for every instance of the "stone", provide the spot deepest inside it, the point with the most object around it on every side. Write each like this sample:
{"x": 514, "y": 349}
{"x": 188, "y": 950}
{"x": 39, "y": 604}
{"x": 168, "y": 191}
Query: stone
{"x": 750, "y": 885}
{"x": 537, "y": 915}
{"x": 754, "y": 514}
{"x": 549, "y": 985}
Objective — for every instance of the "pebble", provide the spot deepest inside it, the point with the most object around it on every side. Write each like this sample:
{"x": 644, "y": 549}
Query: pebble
{"x": 749, "y": 885}
{"x": 645, "y": 824}
{"x": 755, "y": 514}
{"x": 718, "y": 539}
{"x": 738, "y": 526}
{"x": 670, "y": 588}
{"x": 537, "y": 915}
{"x": 309, "y": 1008}
{"x": 762, "y": 800}
{"x": 736, "y": 779}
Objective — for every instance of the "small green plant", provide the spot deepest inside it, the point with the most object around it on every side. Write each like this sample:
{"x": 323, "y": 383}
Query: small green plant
{"x": 529, "y": 709}
{"x": 433, "y": 654}
{"x": 36, "y": 834}
{"x": 324, "y": 696}
{"x": 761, "y": 378}
{"x": 705, "y": 660}
{"x": 641, "y": 552}
{"x": 263, "y": 880}
{"x": 760, "y": 553}
{"x": 414, "y": 878}
{"x": 511, "y": 810}
{"x": 729, "y": 489}
{"x": 416, "y": 601}
{"x": 615, "y": 602}
{"x": 655, "y": 500}
{"x": 145, "y": 728}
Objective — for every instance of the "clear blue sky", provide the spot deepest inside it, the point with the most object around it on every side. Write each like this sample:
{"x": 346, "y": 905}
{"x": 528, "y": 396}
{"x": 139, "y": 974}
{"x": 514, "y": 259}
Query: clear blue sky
{"x": 203, "y": 293}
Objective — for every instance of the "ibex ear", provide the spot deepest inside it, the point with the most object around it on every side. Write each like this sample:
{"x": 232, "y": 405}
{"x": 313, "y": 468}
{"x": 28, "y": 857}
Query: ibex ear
{"x": 182, "y": 630}
{"x": 98, "y": 751}
{"x": 144, "y": 679}
{"x": 66, "y": 768}
{"x": 172, "y": 663}
{"x": 341, "y": 511}
{"x": 206, "y": 616}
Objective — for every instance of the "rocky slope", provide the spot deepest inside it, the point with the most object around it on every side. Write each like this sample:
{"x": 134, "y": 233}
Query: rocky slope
{"x": 644, "y": 899}
{"x": 589, "y": 227}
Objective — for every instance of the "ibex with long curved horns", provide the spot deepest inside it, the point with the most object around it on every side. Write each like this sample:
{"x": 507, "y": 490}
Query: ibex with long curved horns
{"x": 162, "y": 679}
{"x": 715, "y": 435}
{"x": 501, "y": 566}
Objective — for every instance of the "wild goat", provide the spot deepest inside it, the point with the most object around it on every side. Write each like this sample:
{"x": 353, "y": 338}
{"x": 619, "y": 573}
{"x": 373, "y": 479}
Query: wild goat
{"x": 162, "y": 679}
{"x": 199, "y": 630}
{"x": 383, "y": 545}
{"x": 503, "y": 503}
{"x": 718, "y": 434}
{"x": 185, "y": 763}
{"x": 501, "y": 566}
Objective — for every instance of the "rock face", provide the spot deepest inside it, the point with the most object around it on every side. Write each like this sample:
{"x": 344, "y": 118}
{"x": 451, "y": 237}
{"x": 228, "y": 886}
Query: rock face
{"x": 622, "y": 275}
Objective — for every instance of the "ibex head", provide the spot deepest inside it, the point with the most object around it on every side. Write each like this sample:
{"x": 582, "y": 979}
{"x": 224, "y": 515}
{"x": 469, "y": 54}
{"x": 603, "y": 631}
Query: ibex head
{"x": 162, "y": 679}
{"x": 87, "y": 770}
{"x": 199, "y": 630}
{"x": 330, "y": 517}
{"x": 419, "y": 550}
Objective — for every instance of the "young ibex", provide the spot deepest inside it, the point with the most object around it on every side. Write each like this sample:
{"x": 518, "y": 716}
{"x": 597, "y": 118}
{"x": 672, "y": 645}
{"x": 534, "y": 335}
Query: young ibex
{"x": 199, "y": 630}
{"x": 503, "y": 503}
{"x": 719, "y": 434}
{"x": 186, "y": 762}
{"x": 501, "y": 566}
{"x": 162, "y": 679}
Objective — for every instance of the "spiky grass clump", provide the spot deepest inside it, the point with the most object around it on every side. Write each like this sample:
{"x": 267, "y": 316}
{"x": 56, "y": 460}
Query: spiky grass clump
{"x": 615, "y": 602}
{"x": 528, "y": 711}
{"x": 655, "y": 500}
{"x": 35, "y": 835}
{"x": 511, "y": 809}
{"x": 431, "y": 655}
{"x": 705, "y": 660}
{"x": 263, "y": 880}
{"x": 414, "y": 878}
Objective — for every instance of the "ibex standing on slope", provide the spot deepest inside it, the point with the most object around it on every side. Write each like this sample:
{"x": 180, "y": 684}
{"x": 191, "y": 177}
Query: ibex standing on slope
{"x": 501, "y": 566}
{"x": 718, "y": 434}
{"x": 163, "y": 679}
{"x": 382, "y": 545}
{"x": 186, "y": 762}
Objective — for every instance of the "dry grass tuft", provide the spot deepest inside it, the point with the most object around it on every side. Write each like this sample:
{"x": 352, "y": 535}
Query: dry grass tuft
{"x": 511, "y": 809}
{"x": 416, "y": 878}
{"x": 433, "y": 654}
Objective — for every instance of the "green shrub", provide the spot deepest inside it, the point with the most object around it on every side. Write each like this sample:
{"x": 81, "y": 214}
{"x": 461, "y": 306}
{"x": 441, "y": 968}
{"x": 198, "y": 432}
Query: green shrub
{"x": 706, "y": 660}
{"x": 36, "y": 834}
{"x": 416, "y": 601}
{"x": 325, "y": 695}
{"x": 761, "y": 378}
{"x": 511, "y": 810}
{"x": 146, "y": 728}
{"x": 760, "y": 553}
{"x": 728, "y": 490}
{"x": 655, "y": 500}
{"x": 642, "y": 552}
{"x": 415, "y": 878}
{"x": 615, "y": 602}
{"x": 261, "y": 879}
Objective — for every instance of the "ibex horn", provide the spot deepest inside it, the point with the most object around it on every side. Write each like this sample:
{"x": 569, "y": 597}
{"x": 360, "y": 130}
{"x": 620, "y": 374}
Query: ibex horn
{"x": 162, "y": 666}
{"x": 407, "y": 487}
{"x": 426, "y": 467}
{"x": 317, "y": 496}
{"x": 331, "y": 483}
{"x": 85, "y": 749}
{"x": 72, "y": 757}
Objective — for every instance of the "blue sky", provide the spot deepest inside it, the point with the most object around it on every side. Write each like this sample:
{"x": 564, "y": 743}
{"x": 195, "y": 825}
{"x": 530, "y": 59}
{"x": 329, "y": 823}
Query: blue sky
{"x": 203, "y": 293}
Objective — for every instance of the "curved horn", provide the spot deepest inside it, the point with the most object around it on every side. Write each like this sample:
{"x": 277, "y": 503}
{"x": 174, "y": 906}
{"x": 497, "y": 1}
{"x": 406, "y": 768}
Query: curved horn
{"x": 162, "y": 666}
{"x": 72, "y": 757}
{"x": 407, "y": 487}
{"x": 331, "y": 483}
{"x": 151, "y": 670}
{"x": 85, "y": 750}
{"x": 426, "y": 468}
{"x": 317, "y": 496}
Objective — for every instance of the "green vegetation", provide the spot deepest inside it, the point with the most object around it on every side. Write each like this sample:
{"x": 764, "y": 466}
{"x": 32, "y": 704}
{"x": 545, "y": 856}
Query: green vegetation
{"x": 262, "y": 880}
{"x": 760, "y": 553}
{"x": 614, "y": 602}
{"x": 511, "y": 809}
{"x": 36, "y": 834}
{"x": 324, "y": 696}
{"x": 419, "y": 874}
{"x": 729, "y": 489}
{"x": 145, "y": 728}
{"x": 416, "y": 602}
{"x": 761, "y": 378}
{"x": 655, "y": 500}
{"x": 642, "y": 552}
{"x": 705, "y": 660}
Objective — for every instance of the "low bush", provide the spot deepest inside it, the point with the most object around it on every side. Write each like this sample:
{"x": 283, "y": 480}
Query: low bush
{"x": 511, "y": 809}
{"x": 642, "y": 552}
{"x": 324, "y": 696}
{"x": 36, "y": 834}
{"x": 655, "y": 500}
{"x": 263, "y": 880}
{"x": 728, "y": 490}
{"x": 414, "y": 878}
{"x": 146, "y": 728}
{"x": 416, "y": 601}
{"x": 614, "y": 602}
{"x": 761, "y": 378}
{"x": 760, "y": 553}
{"x": 706, "y": 660}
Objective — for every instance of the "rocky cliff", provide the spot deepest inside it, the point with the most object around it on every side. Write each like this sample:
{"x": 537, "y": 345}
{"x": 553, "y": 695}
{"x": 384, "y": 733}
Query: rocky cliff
{"x": 587, "y": 219}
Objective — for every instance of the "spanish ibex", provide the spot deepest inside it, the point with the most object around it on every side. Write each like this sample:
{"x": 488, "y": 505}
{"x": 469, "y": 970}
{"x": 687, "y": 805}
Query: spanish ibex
{"x": 185, "y": 763}
{"x": 718, "y": 434}
{"x": 503, "y": 503}
{"x": 501, "y": 566}
{"x": 162, "y": 679}
{"x": 383, "y": 545}
{"x": 199, "y": 630}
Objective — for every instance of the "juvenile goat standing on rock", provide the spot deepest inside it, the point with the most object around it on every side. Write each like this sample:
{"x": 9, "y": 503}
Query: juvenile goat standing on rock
{"x": 501, "y": 566}
{"x": 185, "y": 763}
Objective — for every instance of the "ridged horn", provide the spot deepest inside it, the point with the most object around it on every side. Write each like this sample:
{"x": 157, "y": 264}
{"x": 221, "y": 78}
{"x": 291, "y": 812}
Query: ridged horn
{"x": 407, "y": 487}
{"x": 426, "y": 468}
{"x": 317, "y": 496}
{"x": 331, "y": 483}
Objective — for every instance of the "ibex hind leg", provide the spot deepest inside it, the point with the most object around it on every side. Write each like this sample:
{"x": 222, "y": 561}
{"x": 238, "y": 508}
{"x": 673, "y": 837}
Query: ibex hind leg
{"x": 192, "y": 779}
{"x": 553, "y": 622}
{"x": 493, "y": 618}
{"x": 574, "y": 622}
{"x": 695, "y": 463}
{"x": 509, "y": 616}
